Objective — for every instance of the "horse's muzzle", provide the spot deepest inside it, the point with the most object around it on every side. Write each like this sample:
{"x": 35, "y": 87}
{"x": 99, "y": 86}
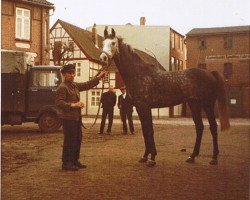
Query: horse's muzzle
{"x": 105, "y": 59}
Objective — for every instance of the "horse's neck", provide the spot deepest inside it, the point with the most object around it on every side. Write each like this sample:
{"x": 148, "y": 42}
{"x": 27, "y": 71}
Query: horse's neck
{"x": 125, "y": 61}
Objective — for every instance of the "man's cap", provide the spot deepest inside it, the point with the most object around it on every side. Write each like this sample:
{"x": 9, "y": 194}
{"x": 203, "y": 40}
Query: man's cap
{"x": 68, "y": 68}
{"x": 123, "y": 88}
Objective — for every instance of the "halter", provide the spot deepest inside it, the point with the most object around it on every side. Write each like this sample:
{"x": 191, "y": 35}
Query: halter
{"x": 109, "y": 57}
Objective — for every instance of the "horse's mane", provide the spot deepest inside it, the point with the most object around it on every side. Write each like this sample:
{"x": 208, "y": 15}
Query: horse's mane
{"x": 138, "y": 55}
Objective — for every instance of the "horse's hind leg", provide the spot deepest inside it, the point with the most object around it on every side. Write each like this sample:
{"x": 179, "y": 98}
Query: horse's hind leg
{"x": 145, "y": 116}
{"x": 209, "y": 109}
{"x": 195, "y": 107}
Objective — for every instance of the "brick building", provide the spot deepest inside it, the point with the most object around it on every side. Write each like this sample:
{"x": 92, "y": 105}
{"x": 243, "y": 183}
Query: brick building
{"x": 25, "y": 27}
{"x": 227, "y": 50}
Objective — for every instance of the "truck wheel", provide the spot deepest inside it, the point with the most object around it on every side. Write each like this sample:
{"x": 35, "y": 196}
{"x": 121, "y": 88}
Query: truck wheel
{"x": 49, "y": 122}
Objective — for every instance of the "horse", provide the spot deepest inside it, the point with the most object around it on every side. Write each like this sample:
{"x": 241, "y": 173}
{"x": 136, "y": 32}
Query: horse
{"x": 150, "y": 86}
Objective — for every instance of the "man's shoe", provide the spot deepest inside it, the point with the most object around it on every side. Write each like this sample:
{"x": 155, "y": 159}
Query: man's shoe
{"x": 132, "y": 132}
{"x": 143, "y": 160}
{"x": 108, "y": 132}
{"x": 69, "y": 167}
{"x": 124, "y": 133}
{"x": 80, "y": 165}
{"x": 100, "y": 133}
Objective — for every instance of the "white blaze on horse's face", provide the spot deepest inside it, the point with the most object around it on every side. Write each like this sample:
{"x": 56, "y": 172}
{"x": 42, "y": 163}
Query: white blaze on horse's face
{"x": 110, "y": 48}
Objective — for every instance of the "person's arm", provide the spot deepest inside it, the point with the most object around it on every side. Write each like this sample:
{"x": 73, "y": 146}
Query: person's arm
{"x": 60, "y": 100}
{"x": 91, "y": 83}
{"x": 62, "y": 103}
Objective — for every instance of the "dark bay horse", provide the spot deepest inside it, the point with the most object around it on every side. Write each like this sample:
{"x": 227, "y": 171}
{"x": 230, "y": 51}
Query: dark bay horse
{"x": 150, "y": 86}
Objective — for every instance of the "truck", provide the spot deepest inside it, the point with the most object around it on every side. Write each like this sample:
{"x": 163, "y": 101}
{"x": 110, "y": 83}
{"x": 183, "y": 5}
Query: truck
{"x": 28, "y": 92}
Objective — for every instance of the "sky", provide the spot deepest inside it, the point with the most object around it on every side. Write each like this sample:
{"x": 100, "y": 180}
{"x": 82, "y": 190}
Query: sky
{"x": 181, "y": 15}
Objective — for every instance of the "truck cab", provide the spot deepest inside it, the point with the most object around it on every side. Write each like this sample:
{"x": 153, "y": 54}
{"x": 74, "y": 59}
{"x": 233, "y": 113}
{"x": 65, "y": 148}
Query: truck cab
{"x": 41, "y": 91}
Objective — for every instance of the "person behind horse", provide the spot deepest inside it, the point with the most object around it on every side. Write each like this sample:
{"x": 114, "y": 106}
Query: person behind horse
{"x": 108, "y": 101}
{"x": 126, "y": 109}
{"x": 68, "y": 101}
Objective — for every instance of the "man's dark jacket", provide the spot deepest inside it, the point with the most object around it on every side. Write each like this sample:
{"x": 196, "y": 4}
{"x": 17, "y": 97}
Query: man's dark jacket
{"x": 125, "y": 104}
{"x": 108, "y": 100}
{"x": 68, "y": 93}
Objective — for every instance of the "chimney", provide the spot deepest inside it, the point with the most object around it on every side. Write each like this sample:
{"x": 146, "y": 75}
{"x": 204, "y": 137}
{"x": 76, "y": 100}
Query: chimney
{"x": 142, "y": 21}
{"x": 94, "y": 36}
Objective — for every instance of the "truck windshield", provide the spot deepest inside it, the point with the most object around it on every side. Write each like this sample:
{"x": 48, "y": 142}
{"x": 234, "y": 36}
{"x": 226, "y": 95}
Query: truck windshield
{"x": 45, "y": 78}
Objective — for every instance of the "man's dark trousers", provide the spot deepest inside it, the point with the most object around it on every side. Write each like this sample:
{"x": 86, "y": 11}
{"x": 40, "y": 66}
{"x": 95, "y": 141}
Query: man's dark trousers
{"x": 72, "y": 141}
{"x": 110, "y": 113}
{"x": 124, "y": 115}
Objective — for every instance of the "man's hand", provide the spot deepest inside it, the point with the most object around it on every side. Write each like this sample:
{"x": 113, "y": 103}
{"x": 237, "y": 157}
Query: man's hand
{"x": 102, "y": 74}
{"x": 77, "y": 105}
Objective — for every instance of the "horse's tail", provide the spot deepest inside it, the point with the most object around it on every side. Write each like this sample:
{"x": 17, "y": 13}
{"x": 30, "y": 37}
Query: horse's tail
{"x": 222, "y": 102}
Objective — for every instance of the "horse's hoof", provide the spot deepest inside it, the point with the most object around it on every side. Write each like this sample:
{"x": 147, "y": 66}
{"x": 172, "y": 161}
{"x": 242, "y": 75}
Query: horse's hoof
{"x": 213, "y": 162}
{"x": 190, "y": 160}
{"x": 151, "y": 163}
{"x": 143, "y": 160}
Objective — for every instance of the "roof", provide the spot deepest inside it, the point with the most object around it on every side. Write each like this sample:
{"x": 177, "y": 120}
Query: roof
{"x": 218, "y": 30}
{"x": 39, "y": 2}
{"x": 83, "y": 39}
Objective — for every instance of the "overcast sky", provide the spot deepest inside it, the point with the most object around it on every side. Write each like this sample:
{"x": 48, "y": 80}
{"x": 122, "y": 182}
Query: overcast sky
{"x": 181, "y": 15}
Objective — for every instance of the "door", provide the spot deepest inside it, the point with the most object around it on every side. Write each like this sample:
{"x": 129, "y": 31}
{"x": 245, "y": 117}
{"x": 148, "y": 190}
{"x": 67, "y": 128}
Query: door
{"x": 235, "y": 101}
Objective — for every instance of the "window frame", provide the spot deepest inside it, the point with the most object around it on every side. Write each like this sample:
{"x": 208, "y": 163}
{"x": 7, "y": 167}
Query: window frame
{"x": 23, "y": 18}
{"x": 228, "y": 42}
{"x": 95, "y": 99}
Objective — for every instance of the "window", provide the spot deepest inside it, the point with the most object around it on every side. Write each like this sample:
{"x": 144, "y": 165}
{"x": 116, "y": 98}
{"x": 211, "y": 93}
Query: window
{"x": 181, "y": 43}
{"x": 106, "y": 78}
{"x": 176, "y": 64}
{"x": 202, "y": 44}
{"x": 202, "y": 65}
{"x": 172, "y": 64}
{"x": 22, "y": 24}
{"x": 45, "y": 78}
{"x": 78, "y": 71}
{"x": 46, "y": 33}
{"x": 228, "y": 70}
{"x": 95, "y": 98}
{"x": 172, "y": 40}
{"x": 228, "y": 42}
{"x": 181, "y": 65}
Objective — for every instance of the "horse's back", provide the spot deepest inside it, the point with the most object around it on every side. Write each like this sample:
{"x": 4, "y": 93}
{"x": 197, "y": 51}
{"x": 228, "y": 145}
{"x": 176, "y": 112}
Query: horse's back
{"x": 203, "y": 83}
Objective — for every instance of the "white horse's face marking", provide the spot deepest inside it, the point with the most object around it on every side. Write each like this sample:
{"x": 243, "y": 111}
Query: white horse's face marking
{"x": 110, "y": 48}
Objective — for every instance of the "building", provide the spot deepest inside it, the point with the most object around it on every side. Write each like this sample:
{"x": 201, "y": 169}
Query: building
{"x": 162, "y": 42}
{"x": 25, "y": 27}
{"x": 227, "y": 50}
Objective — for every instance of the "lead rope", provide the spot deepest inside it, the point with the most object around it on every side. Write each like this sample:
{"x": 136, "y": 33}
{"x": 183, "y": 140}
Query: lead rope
{"x": 97, "y": 114}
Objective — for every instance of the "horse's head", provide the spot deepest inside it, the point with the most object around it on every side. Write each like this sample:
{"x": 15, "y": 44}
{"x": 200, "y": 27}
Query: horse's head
{"x": 110, "y": 47}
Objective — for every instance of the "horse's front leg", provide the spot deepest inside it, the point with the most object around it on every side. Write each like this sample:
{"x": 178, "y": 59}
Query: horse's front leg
{"x": 145, "y": 117}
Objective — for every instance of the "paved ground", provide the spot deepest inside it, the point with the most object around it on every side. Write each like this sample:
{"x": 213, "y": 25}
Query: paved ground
{"x": 31, "y": 166}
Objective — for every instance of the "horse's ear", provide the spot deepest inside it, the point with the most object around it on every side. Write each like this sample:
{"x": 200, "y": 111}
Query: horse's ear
{"x": 106, "y": 32}
{"x": 112, "y": 32}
